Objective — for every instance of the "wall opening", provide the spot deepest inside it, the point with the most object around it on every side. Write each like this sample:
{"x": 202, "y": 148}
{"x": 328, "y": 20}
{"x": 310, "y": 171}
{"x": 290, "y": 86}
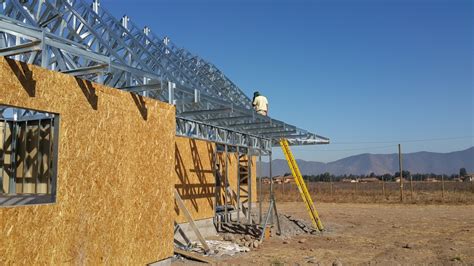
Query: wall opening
{"x": 28, "y": 156}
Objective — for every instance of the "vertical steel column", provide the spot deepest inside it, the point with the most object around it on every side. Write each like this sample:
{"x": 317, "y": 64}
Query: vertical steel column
{"x": 226, "y": 183}
{"x": 50, "y": 142}
{"x": 24, "y": 158}
{"x": 238, "y": 185}
{"x": 260, "y": 187}
{"x": 271, "y": 184}
{"x": 214, "y": 170}
{"x": 38, "y": 157}
{"x": 54, "y": 168}
{"x": 44, "y": 51}
{"x": 4, "y": 134}
{"x": 13, "y": 133}
{"x": 249, "y": 186}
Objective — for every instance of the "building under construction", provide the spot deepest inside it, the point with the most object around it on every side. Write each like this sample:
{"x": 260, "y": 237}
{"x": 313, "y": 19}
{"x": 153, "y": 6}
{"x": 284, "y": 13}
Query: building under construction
{"x": 101, "y": 122}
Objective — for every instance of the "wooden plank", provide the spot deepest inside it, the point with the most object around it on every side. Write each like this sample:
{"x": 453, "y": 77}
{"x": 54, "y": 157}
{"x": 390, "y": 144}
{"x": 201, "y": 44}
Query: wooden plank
{"x": 193, "y": 256}
{"x": 180, "y": 203}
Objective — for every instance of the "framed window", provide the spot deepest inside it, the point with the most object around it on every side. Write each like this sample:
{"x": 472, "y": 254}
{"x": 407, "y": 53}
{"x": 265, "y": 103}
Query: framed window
{"x": 28, "y": 156}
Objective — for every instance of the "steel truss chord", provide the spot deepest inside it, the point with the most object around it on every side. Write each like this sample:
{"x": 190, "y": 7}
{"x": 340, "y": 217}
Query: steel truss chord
{"x": 199, "y": 130}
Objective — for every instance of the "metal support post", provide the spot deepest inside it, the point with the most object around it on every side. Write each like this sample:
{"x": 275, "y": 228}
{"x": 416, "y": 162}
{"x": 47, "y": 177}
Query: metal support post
{"x": 216, "y": 180}
{"x": 25, "y": 169}
{"x": 54, "y": 160}
{"x": 14, "y": 142}
{"x": 264, "y": 226}
{"x": 50, "y": 143}
{"x": 44, "y": 51}
{"x": 38, "y": 156}
{"x": 275, "y": 211}
{"x": 272, "y": 209}
{"x": 171, "y": 87}
{"x": 260, "y": 196}
{"x": 271, "y": 184}
{"x": 249, "y": 187}
{"x": 4, "y": 134}
{"x": 226, "y": 184}
{"x": 238, "y": 185}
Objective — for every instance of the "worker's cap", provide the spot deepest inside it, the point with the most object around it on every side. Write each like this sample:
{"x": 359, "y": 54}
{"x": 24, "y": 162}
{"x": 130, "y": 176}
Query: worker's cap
{"x": 256, "y": 93}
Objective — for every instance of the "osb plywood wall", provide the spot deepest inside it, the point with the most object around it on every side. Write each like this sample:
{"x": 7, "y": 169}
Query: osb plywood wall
{"x": 115, "y": 201}
{"x": 254, "y": 179}
{"x": 195, "y": 176}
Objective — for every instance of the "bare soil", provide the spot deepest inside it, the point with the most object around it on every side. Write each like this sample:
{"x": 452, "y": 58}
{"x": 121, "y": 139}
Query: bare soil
{"x": 372, "y": 234}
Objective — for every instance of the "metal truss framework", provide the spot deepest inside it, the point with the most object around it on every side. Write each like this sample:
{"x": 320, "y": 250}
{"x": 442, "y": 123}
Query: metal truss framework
{"x": 86, "y": 41}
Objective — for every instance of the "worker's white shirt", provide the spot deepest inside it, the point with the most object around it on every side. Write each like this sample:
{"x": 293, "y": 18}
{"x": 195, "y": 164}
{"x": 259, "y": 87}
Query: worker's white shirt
{"x": 260, "y": 103}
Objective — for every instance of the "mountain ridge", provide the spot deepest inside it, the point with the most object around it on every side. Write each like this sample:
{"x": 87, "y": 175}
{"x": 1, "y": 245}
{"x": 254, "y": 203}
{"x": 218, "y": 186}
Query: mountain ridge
{"x": 366, "y": 163}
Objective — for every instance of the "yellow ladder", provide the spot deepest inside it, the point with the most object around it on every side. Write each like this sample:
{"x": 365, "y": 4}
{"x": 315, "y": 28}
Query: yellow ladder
{"x": 301, "y": 184}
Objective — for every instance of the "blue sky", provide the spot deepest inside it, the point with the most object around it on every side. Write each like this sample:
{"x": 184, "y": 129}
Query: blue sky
{"x": 367, "y": 74}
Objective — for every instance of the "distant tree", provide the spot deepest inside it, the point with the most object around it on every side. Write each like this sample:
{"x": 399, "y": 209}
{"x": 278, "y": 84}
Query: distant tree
{"x": 462, "y": 172}
{"x": 325, "y": 177}
{"x": 405, "y": 174}
{"x": 387, "y": 177}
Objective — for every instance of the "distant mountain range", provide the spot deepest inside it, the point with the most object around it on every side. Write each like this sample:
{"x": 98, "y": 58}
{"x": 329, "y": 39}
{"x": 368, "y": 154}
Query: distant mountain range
{"x": 418, "y": 162}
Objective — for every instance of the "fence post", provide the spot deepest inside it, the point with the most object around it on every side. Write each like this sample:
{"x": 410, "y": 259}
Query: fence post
{"x": 442, "y": 188}
{"x": 355, "y": 188}
{"x": 401, "y": 171}
{"x": 383, "y": 187}
{"x": 330, "y": 180}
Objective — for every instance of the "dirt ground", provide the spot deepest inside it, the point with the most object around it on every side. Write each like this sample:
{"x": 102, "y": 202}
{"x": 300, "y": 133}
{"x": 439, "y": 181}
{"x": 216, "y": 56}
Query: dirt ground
{"x": 372, "y": 234}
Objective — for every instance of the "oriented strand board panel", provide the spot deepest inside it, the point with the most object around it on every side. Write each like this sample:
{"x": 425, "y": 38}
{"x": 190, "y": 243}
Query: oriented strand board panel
{"x": 115, "y": 201}
{"x": 233, "y": 162}
{"x": 254, "y": 179}
{"x": 195, "y": 177}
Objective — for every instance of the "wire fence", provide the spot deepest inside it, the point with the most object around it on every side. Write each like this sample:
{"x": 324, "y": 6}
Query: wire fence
{"x": 378, "y": 192}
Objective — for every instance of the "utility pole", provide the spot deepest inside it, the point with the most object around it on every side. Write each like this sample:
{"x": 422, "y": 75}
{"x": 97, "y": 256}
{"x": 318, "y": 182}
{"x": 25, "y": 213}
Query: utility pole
{"x": 401, "y": 171}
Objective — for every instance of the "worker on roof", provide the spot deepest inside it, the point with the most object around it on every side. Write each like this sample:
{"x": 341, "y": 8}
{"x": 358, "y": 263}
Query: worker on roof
{"x": 260, "y": 103}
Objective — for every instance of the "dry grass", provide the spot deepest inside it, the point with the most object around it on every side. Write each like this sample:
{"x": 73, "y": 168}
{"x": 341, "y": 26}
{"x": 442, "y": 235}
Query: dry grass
{"x": 388, "y": 192}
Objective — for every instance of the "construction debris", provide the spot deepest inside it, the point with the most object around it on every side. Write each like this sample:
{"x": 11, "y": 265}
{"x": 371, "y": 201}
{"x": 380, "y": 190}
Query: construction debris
{"x": 193, "y": 256}
{"x": 220, "y": 248}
